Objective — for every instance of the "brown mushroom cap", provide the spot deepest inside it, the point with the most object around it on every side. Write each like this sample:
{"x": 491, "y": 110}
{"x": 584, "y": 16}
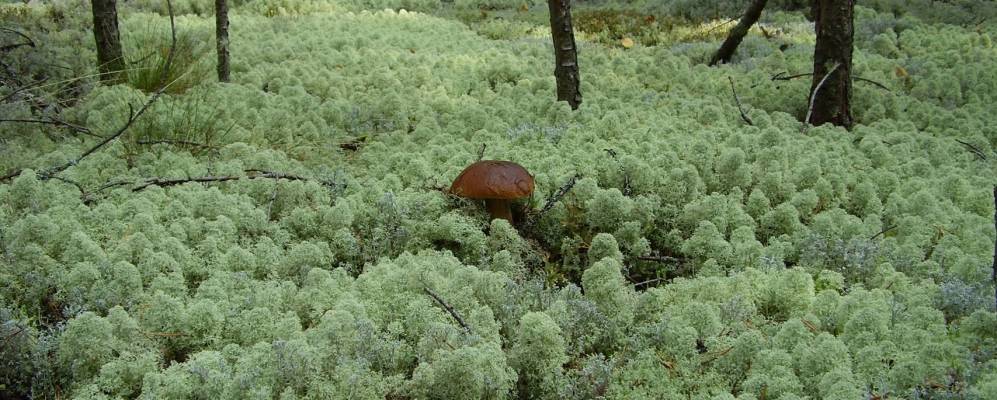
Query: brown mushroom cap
{"x": 491, "y": 179}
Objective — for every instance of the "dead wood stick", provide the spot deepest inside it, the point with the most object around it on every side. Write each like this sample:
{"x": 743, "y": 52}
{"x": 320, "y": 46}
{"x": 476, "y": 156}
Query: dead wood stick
{"x": 973, "y": 149}
{"x": 132, "y": 114}
{"x": 449, "y": 308}
{"x": 29, "y": 43}
{"x": 783, "y": 77}
{"x": 887, "y": 229}
{"x": 813, "y": 96}
{"x": 481, "y": 151}
{"x": 250, "y": 174}
{"x": 53, "y": 121}
{"x": 737, "y": 101}
{"x": 660, "y": 259}
{"x": 10, "y": 336}
{"x": 627, "y": 187}
{"x": 556, "y": 197}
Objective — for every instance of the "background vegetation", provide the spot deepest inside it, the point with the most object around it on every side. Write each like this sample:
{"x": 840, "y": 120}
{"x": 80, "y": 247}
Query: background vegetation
{"x": 695, "y": 256}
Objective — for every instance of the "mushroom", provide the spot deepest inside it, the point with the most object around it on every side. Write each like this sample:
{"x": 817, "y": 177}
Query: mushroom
{"x": 495, "y": 182}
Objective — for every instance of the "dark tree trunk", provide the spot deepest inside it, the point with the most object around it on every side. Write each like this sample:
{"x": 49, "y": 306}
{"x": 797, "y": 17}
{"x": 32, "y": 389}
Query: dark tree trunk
{"x": 110, "y": 58}
{"x": 221, "y": 39}
{"x": 565, "y": 56}
{"x": 737, "y": 34}
{"x": 831, "y": 97}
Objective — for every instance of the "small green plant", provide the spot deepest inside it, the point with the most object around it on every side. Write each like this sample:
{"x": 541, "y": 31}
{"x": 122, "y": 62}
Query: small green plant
{"x": 190, "y": 122}
{"x": 151, "y": 48}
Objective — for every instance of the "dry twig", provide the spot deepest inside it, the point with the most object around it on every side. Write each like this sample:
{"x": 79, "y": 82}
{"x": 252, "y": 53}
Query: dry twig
{"x": 973, "y": 149}
{"x": 449, "y": 308}
{"x": 627, "y": 187}
{"x": 813, "y": 96}
{"x": 556, "y": 197}
{"x": 737, "y": 101}
{"x": 132, "y": 114}
{"x": 29, "y": 43}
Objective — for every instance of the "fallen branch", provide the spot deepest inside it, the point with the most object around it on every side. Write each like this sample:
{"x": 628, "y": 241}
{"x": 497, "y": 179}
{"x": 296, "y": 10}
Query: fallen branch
{"x": 10, "y": 336}
{"x": 627, "y": 189}
{"x": 648, "y": 282}
{"x": 449, "y": 308}
{"x": 887, "y": 229}
{"x": 813, "y": 96}
{"x": 132, "y": 114}
{"x": 52, "y": 121}
{"x": 29, "y": 43}
{"x": 556, "y": 197}
{"x": 172, "y": 142}
{"x": 660, "y": 259}
{"x": 250, "y": 174}
{"x": 973, "y": 149}
{"x": 738, "y": 102}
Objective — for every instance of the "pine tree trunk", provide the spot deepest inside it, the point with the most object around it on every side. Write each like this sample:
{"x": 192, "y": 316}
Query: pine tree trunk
{"x": 736, "y": 35}
{"x": 110, "y": 58}
{"x": 221, "y": 39}
{"x": 565, "y": 56}
{"x": 833, "y": 21}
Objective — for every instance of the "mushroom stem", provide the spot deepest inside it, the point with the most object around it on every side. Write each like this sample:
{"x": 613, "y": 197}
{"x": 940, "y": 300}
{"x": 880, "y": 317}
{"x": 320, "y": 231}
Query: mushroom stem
{"x": 499, "y": 208}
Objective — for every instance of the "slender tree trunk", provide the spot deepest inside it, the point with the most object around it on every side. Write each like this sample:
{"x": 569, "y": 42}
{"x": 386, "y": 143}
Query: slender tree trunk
{"x": 110, "y": 58}
{"x": 831, "y": 97}
{"x": 565, "y": 55}
{"x": 751, "y": 15}
{"x": 221, "y": 39}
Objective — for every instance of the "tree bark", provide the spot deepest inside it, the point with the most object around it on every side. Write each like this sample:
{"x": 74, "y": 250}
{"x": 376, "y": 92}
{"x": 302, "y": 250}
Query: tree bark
{"x": 110, "y": 58}
{"x": 736, "y": 35}
{"x": 221, "y": 39}
{"x": 833, "y": 21}
{"x": 565, "y": 54}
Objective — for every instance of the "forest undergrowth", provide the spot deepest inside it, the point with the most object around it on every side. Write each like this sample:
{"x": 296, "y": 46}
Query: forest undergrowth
{"x": 290, "y": 235}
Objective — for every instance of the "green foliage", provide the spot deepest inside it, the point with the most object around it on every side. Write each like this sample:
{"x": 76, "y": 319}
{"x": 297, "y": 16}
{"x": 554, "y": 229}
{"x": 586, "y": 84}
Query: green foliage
{"x": 148, "y": 43}
{"x": 830, "y": 265}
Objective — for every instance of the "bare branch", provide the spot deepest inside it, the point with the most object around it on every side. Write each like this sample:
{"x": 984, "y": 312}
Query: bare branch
{"x": 738, "y": 102}
{"x": 556, "y": 197}
{"x": 973, "y": 149}
{"x": 250, "y": 174}
{"x": 648, "y": 282}
{"x": 813, "y": 96}
{"x": 481, "y": 151}
{"x": 887, "y": 229}
{"x": 627, "y": 189}
{"x": 132, "y": 114}
{"x": 29, "y": 43}
{"x": 783, "y": 77}
{"x": 449, "y": 308}
{"x": 7, "y": 338}
{"x": 172, "y": 142}
{"x": 880, "y": 85}
{"x": 661, "y": 259}
{"x": 51, "y": 121}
